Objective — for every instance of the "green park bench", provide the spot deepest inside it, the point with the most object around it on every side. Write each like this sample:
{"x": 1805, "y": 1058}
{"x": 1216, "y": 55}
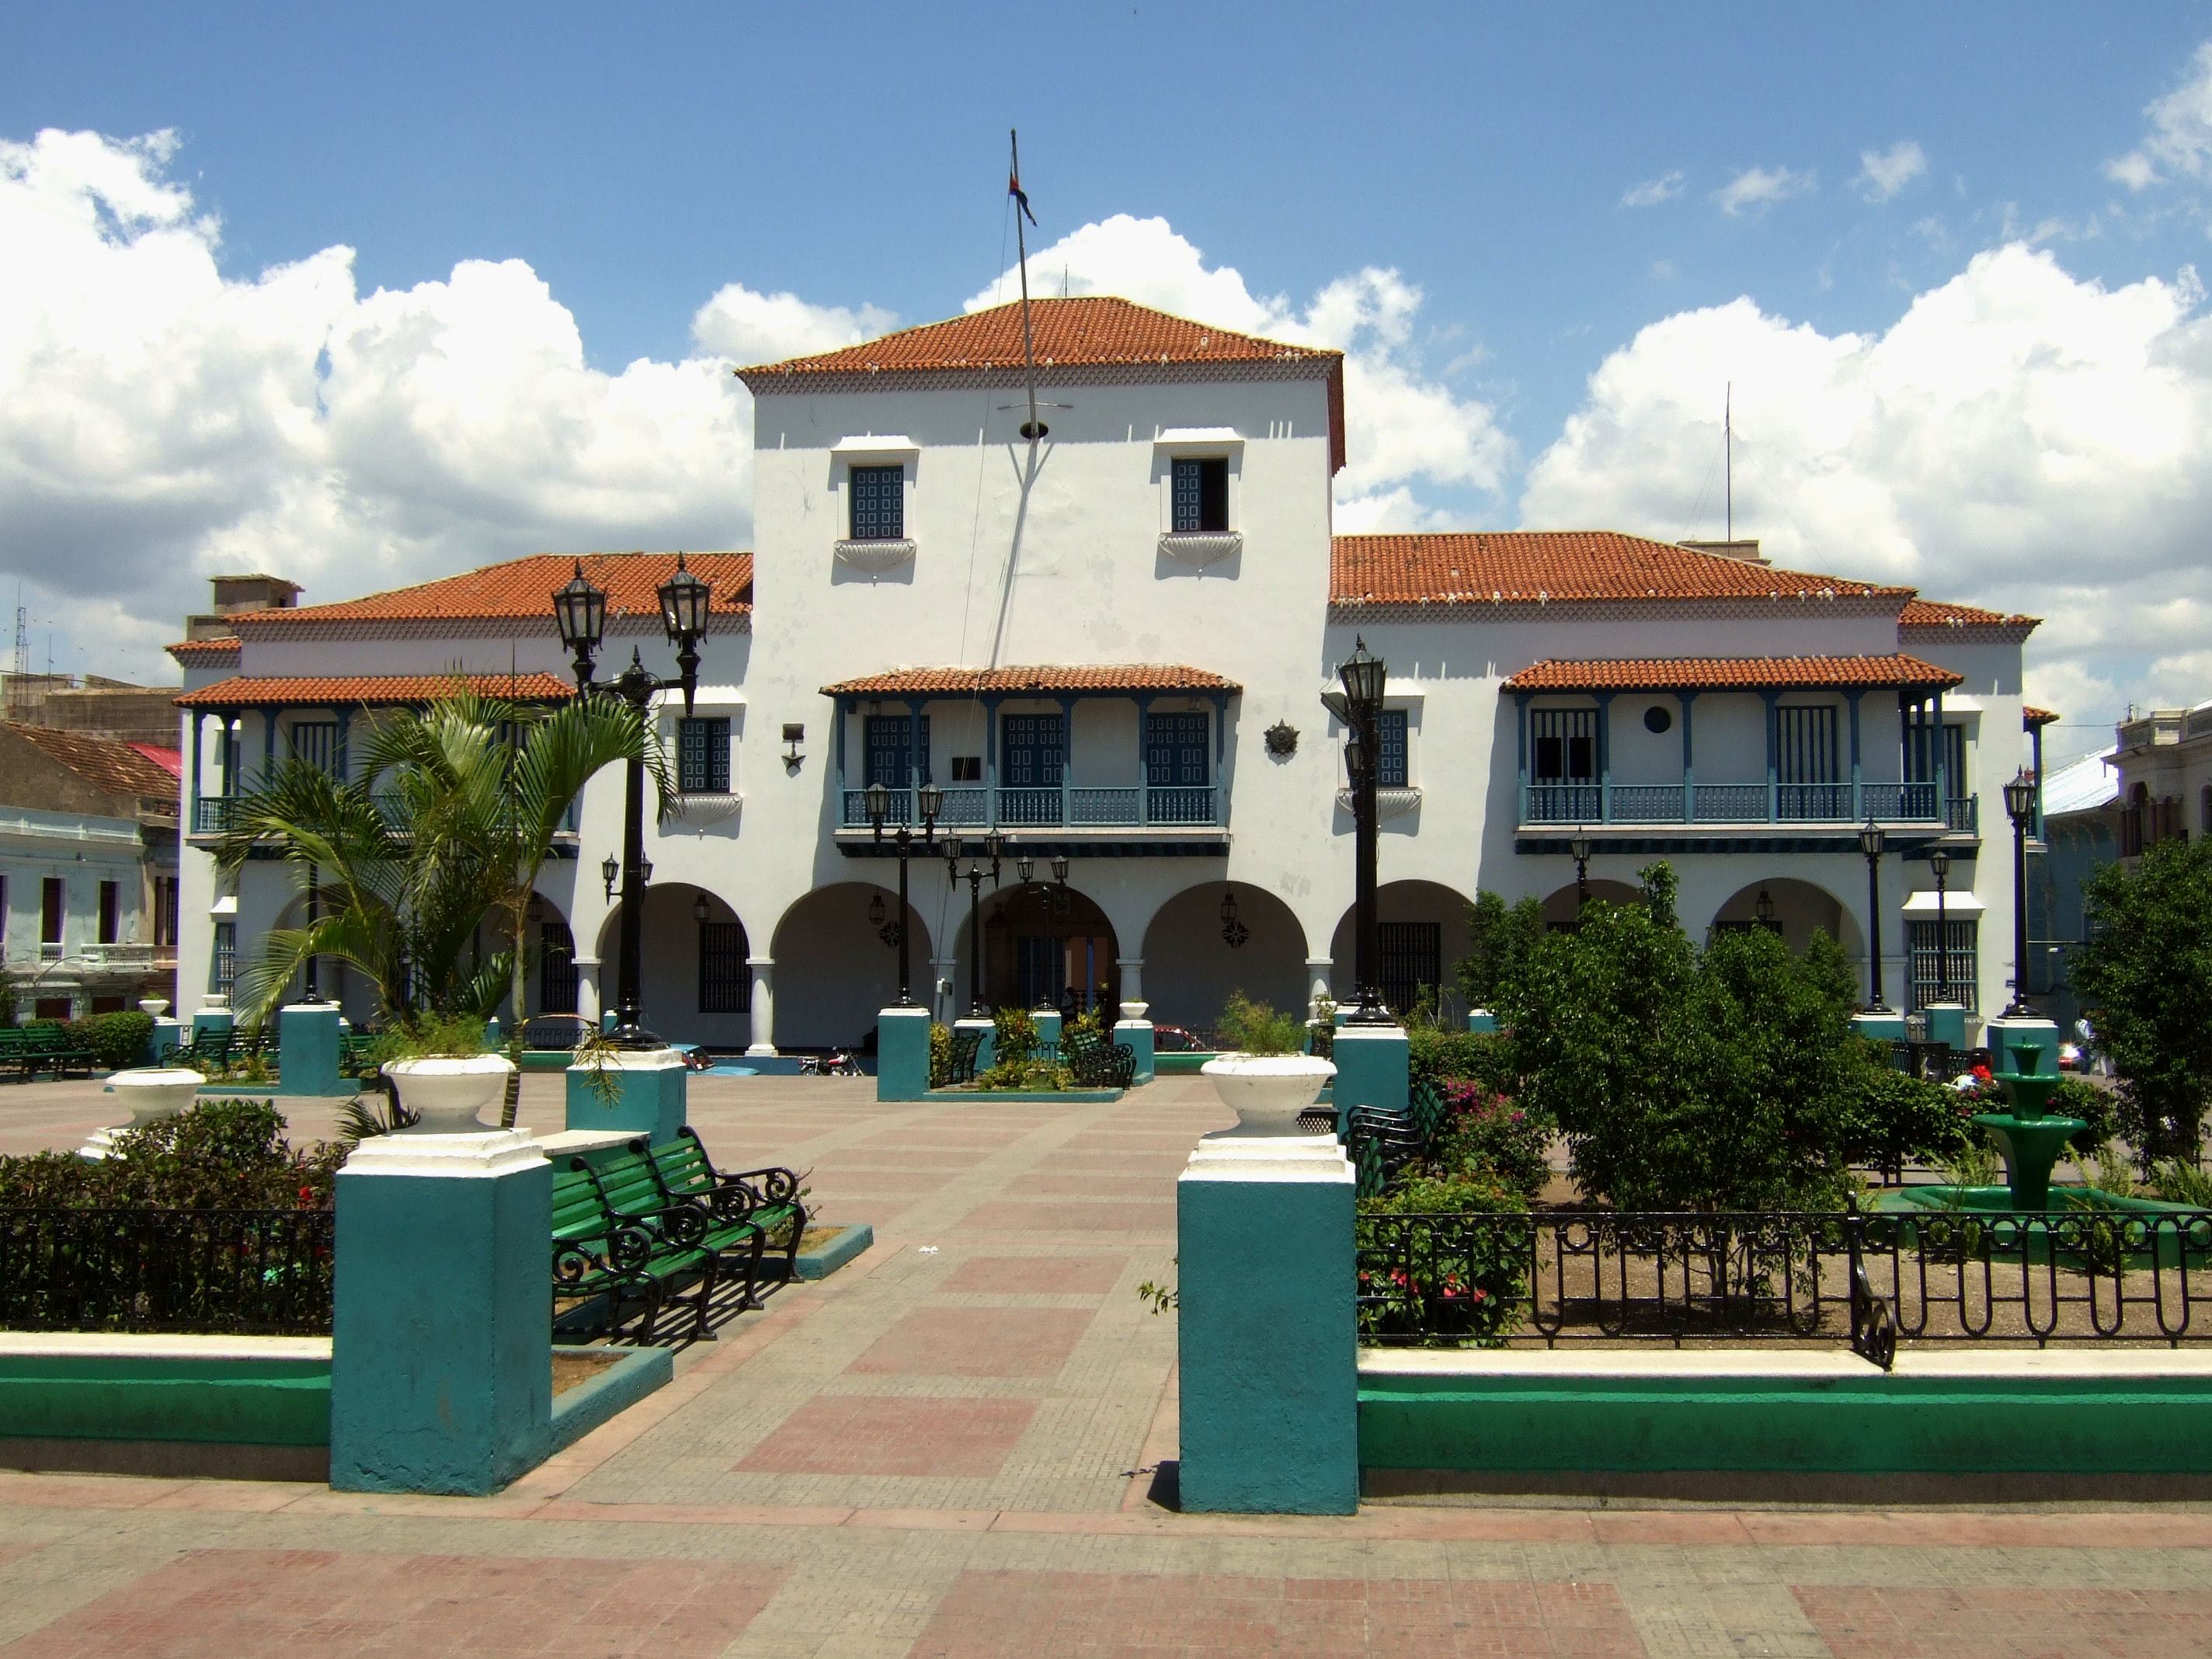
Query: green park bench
{"x": 766, "y": 1200}
{"x": 1096, "y": 1063}
{"x": 27, "y": 1051}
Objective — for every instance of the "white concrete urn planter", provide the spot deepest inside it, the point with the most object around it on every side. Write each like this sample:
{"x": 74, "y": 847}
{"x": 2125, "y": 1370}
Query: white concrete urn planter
{"x": 447, "y": 1094}
{"x": 1268, "y": 1091}
{"x": 1134, "y": 1010}
{"x": 154, "y": 1093}
{"x": 156, "y": 1007}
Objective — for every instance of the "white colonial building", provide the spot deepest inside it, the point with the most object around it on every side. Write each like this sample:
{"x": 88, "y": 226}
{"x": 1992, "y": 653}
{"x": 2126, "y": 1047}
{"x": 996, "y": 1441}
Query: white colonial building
{"x": 1110, "y": 644}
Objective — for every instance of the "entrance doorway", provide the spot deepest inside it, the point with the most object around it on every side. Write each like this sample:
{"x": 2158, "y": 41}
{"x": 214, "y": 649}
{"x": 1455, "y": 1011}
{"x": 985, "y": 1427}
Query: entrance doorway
{"x": 1042, "y": 943}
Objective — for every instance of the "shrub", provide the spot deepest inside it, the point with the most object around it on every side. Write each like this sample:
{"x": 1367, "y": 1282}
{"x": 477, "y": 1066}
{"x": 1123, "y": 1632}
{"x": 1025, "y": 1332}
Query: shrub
{"x": 1489, "y": 1139}
{"x": 215, "y": 1154}
{"x": 2180, "y": 1182}
{"x": 2076, "y": 1096}
{"x": 119, "y": 1040}
{"x": 1028, "y": 1075}
{"x": 940, "y": 1055}
{"x": 1500, "y": 939}
{"x": 1253, "y": 1028}
{"x": 1014, "y": 1040}
{"x": 1463, "y": 1282}
{"x": 1893, "y": 1117}
{"x": 1441, "y": 1057}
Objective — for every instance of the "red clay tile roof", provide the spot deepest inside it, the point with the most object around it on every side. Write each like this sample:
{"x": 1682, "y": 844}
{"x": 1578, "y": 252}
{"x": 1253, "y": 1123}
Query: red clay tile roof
{"x": 524, "y": 587}
{"x": 117, "y": 768}
{"x": 1728, "y": 674}
{"x": 2031, "y": 716}
{"x": 248, "y": 692}
{"x": 1935, "y": 613}
{"x": 191, "y": 651}
{"x": 1528, "y": 566}
{"x": 1093, "y": 331}
{"x": 963, "y": 682}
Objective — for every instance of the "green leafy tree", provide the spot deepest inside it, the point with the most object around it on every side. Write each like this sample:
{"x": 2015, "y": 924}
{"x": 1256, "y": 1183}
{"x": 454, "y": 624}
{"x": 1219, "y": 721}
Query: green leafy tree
{"x": 1719, "y": 1078}
{"x": 1500, "y": 938}
{"x": 2145, "y": 975}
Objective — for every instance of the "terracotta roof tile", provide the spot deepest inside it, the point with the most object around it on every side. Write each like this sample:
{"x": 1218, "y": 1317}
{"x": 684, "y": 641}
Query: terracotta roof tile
{"x": 1935, "y": 613}
{"x": 1553, "y": 566}
{"x": 203, "y": 651}
{"x": 1093, "y": 331}
{"x": 1728, "y": 673}
{"x": 524, "y": 588}
{"x": 266, "y": 692}
{"x": 963, "y": 682}
{"x": 2031, "y": 716}
{"x": 118, "y": 767}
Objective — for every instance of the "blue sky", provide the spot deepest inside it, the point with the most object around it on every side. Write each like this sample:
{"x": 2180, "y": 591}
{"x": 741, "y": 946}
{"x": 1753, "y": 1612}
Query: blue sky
{"x": 1485, "y": 159}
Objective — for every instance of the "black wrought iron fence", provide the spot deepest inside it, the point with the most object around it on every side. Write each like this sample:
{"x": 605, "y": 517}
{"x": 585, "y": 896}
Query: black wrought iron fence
{"x": 1813, "y": 1277}
{"x": 231, "y": 1272}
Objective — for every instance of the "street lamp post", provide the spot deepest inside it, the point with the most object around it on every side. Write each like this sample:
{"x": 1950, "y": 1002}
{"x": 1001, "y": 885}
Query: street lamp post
{"x": 580, "y": 611}
{"x": 993, "y": 845}
{"x": 931, "y": 799}
{"x": 2020, "y": 807}
{"x": 1871, "y": 842}
{"x": 1363, "y": 675}
{"x": 1579, "y": 849}
{"x": 312, "y": 993}
{"x": 1940, "y": 862}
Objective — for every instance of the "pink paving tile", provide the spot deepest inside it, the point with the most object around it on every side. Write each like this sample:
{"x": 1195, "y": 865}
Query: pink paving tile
{"x": 1036, "y": 1275}
{"x": 986, "y": 1614}
{"x": 865, "y": 1434}
{"x": 1013, "y": 1216}
{"x": 2007, "y": 1622}
{"x": 1091, "y": 1185}
{"x": 943, "y": 1341}
{"x": 225, "y": 1603}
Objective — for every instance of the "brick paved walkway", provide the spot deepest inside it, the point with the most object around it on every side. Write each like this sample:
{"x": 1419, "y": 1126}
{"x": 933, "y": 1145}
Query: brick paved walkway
{"x": 944, "y": 1449}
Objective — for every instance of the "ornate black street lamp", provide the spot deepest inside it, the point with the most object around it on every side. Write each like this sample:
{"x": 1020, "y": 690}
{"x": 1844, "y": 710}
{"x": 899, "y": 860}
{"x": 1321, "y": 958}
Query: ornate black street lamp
{"x": 580, "y": 611}
{"x": 1579, "y": 850}
{"x": 1234, "y": 932}
{"x": 1763, "y": 908}
{"x": 1363, "y": 675}
{"x": 1940, "y": 862}
{"x": 1871, "y": 840}
{"x": 991, "y": 847}
{"x": 2020, "y": 807}
{"x": 931, "y": 799}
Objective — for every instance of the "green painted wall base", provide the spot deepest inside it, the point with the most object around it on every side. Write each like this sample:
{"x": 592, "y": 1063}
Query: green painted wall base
{"x": 1066, "y": 1096}
{"x": 625, "y": 1380}
{"x": 2055, "y": 1412}
{"x": 652, "y": 1095}
{"x": 902, "y": 1053}
{"x": 833, "y": 1253}
{"x": 1265, "y": 1329}
{"x": 1137, "y": 1034}
{"x": 232, "y": 1400}
{"x": 307, "y": 1051}
{"x": 1182, "y": 1063}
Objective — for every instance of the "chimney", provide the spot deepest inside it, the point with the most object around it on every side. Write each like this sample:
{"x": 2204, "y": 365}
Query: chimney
{"x": 1745, "y": 549}
{"x": 238, "y": 596}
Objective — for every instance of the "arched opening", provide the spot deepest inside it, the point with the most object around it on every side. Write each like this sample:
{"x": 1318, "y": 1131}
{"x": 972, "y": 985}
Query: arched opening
{"x": 1564, "y": 906}
{"x": 1794, "y": 908}
{"x": 693, "y": 982}
{"x": 550, "y": 987}
{"x": 1043, "y": 945}
{"x": 1217, "y": 938}
{"x": 1422, "y": 935}
{"x": 836, "y": 963}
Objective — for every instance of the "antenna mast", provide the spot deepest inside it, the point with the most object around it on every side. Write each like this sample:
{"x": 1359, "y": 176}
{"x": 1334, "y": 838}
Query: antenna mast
{"x": 1033, "y": 428}
{"x": 16, "y": 688}
{"x": 1728, "y": 450}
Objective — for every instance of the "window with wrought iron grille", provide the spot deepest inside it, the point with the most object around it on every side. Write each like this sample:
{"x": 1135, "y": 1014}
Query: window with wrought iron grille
{"x": 702, "y": 755}
{"x": 1564, "y": 745}
{"x": 225, "y": 958}
{"x": 557, "y": 969}
{"x": 1412, "y": 959}
{"x": 725, "y": 986}
{"x": 316, "y": 741}
{"x": 166, "y": 894}
{"x": 1201, "y": 495}
{"x": 879, "y": 503}
{"x": 1931, "y": 977}
{"x": 1391, "y": 770}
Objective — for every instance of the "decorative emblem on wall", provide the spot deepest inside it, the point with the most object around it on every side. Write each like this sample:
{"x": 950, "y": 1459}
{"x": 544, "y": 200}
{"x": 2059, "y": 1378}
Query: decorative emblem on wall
{"x": 1282, "y": 739}
{"x": 1234, "y": 932}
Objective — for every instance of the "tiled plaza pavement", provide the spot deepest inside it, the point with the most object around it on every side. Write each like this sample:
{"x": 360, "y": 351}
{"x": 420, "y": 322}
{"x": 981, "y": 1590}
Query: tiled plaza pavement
{"x": 941, "y": 1450}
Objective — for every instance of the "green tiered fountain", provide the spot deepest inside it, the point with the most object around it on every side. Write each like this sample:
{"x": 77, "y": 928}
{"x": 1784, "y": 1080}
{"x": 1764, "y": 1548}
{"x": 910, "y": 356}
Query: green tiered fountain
{"x": 2030, "y": 1139}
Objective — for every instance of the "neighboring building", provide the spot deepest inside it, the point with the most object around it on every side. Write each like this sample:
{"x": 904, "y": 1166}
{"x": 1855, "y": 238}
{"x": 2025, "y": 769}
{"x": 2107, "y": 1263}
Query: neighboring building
{"x": 2081, "y": 820}
{"x": 2164, "y": 762}
{"x": 92, "y": 706}
{"x": 88, "y": 878}
{"x": 1110, "y": 646}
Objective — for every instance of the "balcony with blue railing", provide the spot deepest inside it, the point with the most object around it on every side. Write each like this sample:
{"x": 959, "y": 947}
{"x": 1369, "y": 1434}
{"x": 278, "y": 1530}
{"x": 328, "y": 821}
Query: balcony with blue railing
{"x": 1695, "y": 804}
{"x": 1071, "y": 808}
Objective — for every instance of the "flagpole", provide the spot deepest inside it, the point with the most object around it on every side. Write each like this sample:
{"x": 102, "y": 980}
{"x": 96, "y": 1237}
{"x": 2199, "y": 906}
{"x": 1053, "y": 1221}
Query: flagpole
{"x": 1033, "y": 430}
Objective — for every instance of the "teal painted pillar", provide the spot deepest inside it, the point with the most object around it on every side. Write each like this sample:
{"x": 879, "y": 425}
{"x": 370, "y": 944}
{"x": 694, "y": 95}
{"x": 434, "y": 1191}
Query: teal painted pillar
{"x": 2004, "y": 1031}
{"x": 1047, "y": 1024}
{"x": 987, "y": 1034}
{"x": 494, "y": 1036}
{"x": 1947, "y": 1024}
{"x": 1137, "y": 1034}
{"x": 1879, "y": 1028}
{"x": 308, "y": 1050}
{"x": 213, "y": 1019}
{"x": 1481, "y": 1021}
{"x": 902, "y": 1053}
{"x": 441, "y": 1376}
{"x": 1685, "y": 699}
{"x": 1267, "y": 1327}
{"x": 1373, "y": 1068}
{"x": 645, "y": 1091}
{"x": 167, "y": 1034}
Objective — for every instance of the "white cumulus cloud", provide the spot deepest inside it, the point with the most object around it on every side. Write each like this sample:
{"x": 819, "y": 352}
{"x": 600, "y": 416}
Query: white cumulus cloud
{"x": 2177, "y": 131}
{"x": 1756, "y": 188}
{"x": 161, "y": 420}
{"x": 1407, "y": 431}
{"x": 1883, "y": 172}
{"x": 2018, "y": 438}
{"x": 1652, "y": 192}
